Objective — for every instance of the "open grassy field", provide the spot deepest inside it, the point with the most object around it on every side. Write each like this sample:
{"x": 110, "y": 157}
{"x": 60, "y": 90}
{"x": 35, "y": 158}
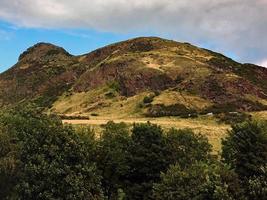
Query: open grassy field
{"x": 204, "y": 125}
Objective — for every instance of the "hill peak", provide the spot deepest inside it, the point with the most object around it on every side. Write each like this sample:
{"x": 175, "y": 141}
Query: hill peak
{"x": 42, "y": 49}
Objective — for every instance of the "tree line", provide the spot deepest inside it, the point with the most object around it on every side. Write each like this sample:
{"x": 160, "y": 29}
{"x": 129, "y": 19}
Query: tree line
{"x": 42, "y": 159}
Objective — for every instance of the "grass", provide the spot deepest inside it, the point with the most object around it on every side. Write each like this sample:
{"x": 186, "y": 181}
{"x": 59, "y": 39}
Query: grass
{"x": 83, "y": 102}
{"x": 256, "y": 99}
{"x": 115, "y": 106}
{"x": 168, "y": 98}
{"x": 259, "y": 115}
{"x": 204, "y": 125}
{"x": 122, "y": 107}
{"x": 97, "y": 101}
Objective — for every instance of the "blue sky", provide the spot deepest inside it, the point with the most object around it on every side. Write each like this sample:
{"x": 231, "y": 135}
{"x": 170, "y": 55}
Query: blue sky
{"x": 16, "y": 40}
{"x": 236, "y": 28}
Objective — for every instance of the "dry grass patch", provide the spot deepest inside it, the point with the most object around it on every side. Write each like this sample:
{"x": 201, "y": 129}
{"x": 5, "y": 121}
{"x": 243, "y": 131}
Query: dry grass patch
{"x": 168, "y": 98}
{"x": 80, "y": 102}
{"x": 259, "y": 115}
{"x": 204, "y": 125}
{"x": 123, "y": 107}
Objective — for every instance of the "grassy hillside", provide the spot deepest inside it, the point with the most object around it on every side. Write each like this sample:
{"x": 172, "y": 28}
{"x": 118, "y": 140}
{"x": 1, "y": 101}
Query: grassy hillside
{"x": 177, "y": 79}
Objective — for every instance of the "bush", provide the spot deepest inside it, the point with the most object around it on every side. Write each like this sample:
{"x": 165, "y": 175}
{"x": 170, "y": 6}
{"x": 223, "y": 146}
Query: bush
{"x": 185, "y": 147}
{"x": 147, "y": 158}
{"x": 193, "y": 114}
{"x": 257, "y": 185}
{"x": 160, "y": 110}
{"x": 233, "y": 117}
{"x": 245, "y": 148}
{"x": 112, "y": 161}
{"x": 54, "y": 161}
{"x": 235, "y": 106}
{"x": 148, "y": 99}
{"x": 9, "y": 164}
{"x": 200, "y": 181}
{"x": 114, "y": 86}
{"x": 110, "y": 94}
{"x": 73, "y": 117}
{"x": 221, "y": 108}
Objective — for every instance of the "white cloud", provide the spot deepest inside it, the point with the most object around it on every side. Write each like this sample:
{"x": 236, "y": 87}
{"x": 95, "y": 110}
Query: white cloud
{"x": 263, "y": 63}
{"x": 4, "y": 35}
{"x": 238, "y": 26}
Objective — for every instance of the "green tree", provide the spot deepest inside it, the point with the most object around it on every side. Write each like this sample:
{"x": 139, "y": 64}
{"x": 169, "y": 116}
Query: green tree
{"x": 200, "y": 181}
{"x": 112, "y": 160}
{"x": 55, "y": 161}
{"x": 147, "y": 158}
{"x": 9, "y": 164}
{"x": 185, "y": 147}
{"x": 257, "y": 185}
{"x": 245, "y": 148}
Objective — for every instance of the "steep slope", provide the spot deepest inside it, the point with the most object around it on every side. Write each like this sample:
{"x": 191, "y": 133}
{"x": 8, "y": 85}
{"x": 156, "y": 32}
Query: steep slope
{"x": 177, "y": 78}
{"x": 42, "y": 73}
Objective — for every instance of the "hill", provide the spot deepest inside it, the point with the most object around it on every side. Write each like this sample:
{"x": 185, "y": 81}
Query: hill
{"x": 139, "y": 77}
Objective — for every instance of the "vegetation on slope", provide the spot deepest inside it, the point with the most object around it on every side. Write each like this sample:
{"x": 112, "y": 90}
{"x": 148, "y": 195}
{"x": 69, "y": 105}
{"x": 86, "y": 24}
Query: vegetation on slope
{"x": 46, "y": 73}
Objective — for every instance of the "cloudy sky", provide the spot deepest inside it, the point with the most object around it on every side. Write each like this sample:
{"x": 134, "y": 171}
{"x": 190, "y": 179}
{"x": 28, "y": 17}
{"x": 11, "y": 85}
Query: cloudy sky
{"x": 237, "y": 28}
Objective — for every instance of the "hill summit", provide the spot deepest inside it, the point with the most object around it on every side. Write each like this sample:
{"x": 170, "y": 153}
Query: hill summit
{"x": 142, "y": 76}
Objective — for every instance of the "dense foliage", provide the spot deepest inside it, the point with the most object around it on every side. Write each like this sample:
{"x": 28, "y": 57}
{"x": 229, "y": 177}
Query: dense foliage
{"x": 40, "y": 158}
{"x": 245, "y": 150}
{"x": 147, "y": 159}
{"x": 200, "y": 181}
{"x": 185, "y": 147}
{"x": 112, "y": 158}
{"x": 51, "y": 161}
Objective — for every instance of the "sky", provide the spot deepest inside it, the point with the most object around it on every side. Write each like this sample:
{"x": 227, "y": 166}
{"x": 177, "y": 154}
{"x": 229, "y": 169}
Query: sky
{"x": 236, "y": 28}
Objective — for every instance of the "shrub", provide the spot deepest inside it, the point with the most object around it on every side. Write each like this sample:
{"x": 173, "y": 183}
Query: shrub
{"x": 221, "y": 108}
{"x": 233, "y": 117}
{"x": 185, "y": 147}
{"x": 257, "y": 185}
{"x": 148, "y": 99}
{"x": 192, "y": 114}
{"x": 112, "y": 149}
{"x": 160, "y": 110}
{"x": 200, "y": 181}
{"x": 245, "y": 148}
{"x": 147, "y": 158}
{"x": 235, "y": 106}
{"x": 55, "y": 161}
{"x": 9, "y": 164}
{"x": 115, "y": 86}
{"x": 73, "y": 117}
{"x": 110, "y": 94}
